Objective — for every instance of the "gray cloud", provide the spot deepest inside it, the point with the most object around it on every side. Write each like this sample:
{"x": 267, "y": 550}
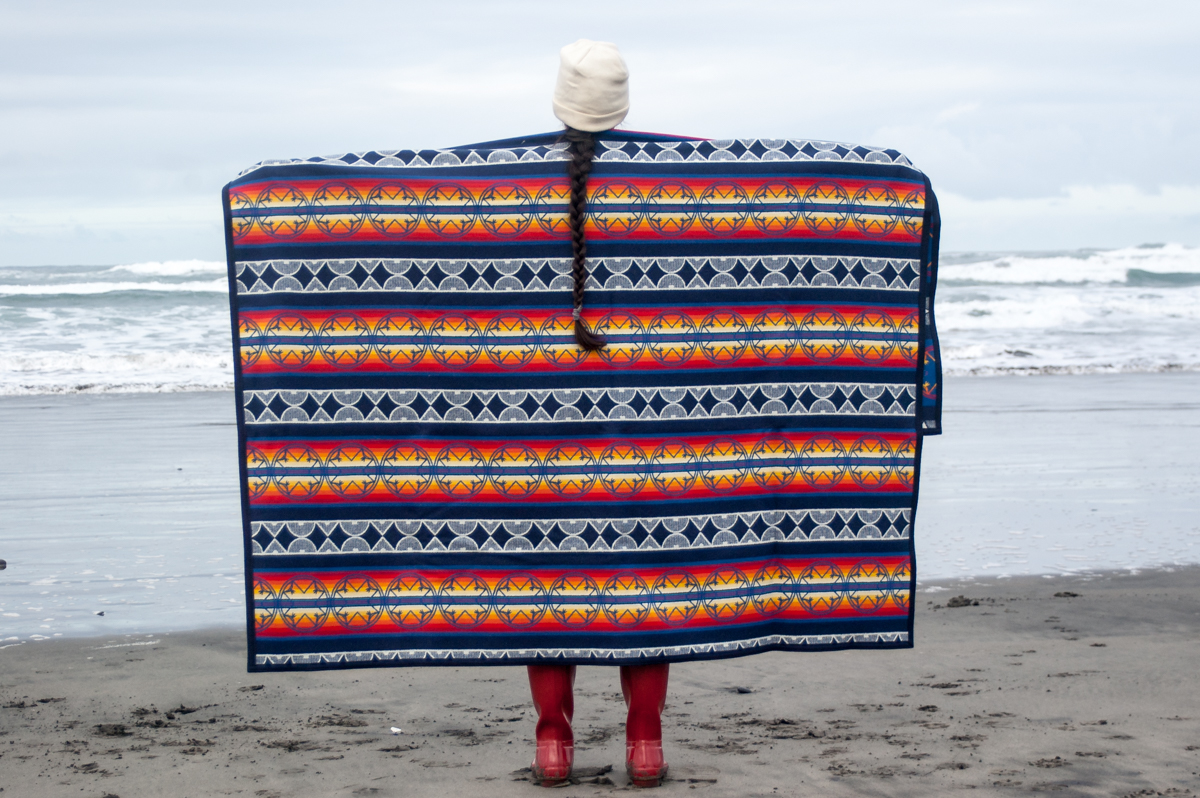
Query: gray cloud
{"x": 123, "y": 119}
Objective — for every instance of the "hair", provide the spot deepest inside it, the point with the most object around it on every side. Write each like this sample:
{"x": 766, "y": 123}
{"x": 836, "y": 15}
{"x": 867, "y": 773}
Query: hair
{"x": 582, "y": 147}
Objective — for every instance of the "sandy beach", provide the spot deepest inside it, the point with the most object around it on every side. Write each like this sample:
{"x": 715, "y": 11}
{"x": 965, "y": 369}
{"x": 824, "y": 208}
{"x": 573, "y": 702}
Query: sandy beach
{"x": 1080, "y": 686}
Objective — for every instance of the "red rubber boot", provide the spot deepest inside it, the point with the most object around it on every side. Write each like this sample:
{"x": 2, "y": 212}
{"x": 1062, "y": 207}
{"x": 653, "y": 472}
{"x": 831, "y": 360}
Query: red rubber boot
{"x": 645, "y": 689}
{"x": 554, "y": 703}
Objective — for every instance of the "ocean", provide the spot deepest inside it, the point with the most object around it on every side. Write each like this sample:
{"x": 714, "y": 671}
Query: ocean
{"x": 164, "y": 327}
{"x": 128, "y": 505}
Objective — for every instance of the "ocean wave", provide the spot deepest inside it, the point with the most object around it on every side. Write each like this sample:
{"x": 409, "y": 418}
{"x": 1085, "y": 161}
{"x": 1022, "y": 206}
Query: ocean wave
{"x": 117, "y": 362}
{"x": 1068, "y": 370}
{"x": 92, "y": 288}
{"x": 164, "y": 326}
{"x": 173, "y": 268}
{"x": 1145, "y": 279}
{"x": 1171, "y": 264}
{"x": 157, "y": 371}
{"x": 51, "y": 389}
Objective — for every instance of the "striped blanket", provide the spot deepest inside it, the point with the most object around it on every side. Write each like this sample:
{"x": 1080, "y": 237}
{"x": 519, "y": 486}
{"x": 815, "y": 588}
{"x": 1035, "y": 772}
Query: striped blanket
{"x": 433, "y": 472}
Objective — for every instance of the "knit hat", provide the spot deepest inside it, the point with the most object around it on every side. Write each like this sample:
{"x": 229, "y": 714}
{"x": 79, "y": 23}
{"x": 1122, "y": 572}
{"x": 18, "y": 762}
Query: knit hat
{"x": 593, "y": 86}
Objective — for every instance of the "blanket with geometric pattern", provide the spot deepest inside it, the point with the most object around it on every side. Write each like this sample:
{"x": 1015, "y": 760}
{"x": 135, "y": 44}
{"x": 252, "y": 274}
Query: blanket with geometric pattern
{"x": 433, "y": 472}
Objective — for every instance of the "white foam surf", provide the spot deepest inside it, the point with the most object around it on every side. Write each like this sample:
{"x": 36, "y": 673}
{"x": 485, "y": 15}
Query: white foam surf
{"x": 164, "y": 326}
{"x": 91, "y": 288}
{"x": 1079, "y": 268}
{"x": 173, "y": 268}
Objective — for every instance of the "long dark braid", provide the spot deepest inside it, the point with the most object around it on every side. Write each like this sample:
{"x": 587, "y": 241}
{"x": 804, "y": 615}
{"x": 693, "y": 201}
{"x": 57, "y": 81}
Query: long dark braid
{"x": 583, "y": 150}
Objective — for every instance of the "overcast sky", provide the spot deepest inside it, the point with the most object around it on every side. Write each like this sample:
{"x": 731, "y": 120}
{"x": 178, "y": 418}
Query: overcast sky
{"x": 1043, "y": 124}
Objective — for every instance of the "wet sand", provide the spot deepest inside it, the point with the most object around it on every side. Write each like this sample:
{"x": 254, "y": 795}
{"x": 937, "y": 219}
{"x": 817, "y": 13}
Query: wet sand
{"x": 1030, "y": 689}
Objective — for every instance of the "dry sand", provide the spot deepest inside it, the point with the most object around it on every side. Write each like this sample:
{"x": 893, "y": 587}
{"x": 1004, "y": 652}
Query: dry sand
{"x": 1026, "y": 691}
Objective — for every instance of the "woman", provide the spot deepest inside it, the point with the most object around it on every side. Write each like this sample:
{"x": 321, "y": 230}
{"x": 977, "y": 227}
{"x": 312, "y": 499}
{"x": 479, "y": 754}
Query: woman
{"x": 717, "y": 456}
{"x": 592, "y": 95}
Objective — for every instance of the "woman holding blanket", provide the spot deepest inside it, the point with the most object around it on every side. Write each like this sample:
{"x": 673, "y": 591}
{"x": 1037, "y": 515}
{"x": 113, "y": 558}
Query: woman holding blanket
{"x": 714, "y": 455}
{"x": 592, "y": 95}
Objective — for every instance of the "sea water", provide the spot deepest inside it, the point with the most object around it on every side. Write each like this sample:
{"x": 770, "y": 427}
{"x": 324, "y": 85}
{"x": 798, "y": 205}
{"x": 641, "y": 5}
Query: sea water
{"x": 175, "y": 562}
{"x": 164, "y": 327}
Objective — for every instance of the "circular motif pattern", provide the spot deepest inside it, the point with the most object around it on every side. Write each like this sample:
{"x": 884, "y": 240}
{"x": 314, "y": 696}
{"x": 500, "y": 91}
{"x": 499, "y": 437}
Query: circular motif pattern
{"x": 908, "y": 332}
{"x": 723, "y": 337}
{"x": 870, "y": 462}
{"x": 464, "y": 600}
{"x": 394, "y": 209}
{"x": 825, "y": 212}
{"x": 569, "y": 470}
{"x": 899, "y": 583}
{"x": 258, "y": 471}
{"x": 357, "y": 602}
{"x": 250, "y": 341}
{"x": 574, "y": 600}
{"x": 626, "y": 339}
{"x": 671, "y": 338}
{"x": 820, "y": 588}
{"x": 723, "y": 208}
{"x": 626, "y": 600}
{"x": 913, "y": 209}
{"x": 670, "y": 208}
{"x": 282, "y": 211}
{"x": 506, "y": 209}
{"x": 303, "y": 604}
{"x": 904, "y": 455}
{"x": 557, "y": 340}
{"x": 726, "y": 594}
{"x": 455, "y": 340}
{"x": 520, "y": 600}
{"x": 775, "y": 208}
{"x": 461, "y": 470}
{"x": 551, "y": 207}
{"x": 515, "y": 471}
{"x": 338, "y": 210}
{"x": 351, "y": 471}
{"x": 616, "y": 208}
{"x": 772, "y": 589}
{"x": 241, "y": 208}
{"x": 406, "y": 470}
{"x": 400, "y": 340}
{"x": 412, "y": 601}
{"x": 449, "y": 210}
{"x": 873, "y": 337}
{"x": 674, "y": 468}
{"x": 773, "y": 463}
{"x": 289, "y": 340}
{"x": 874, "y": 213}
{"x": 623, "y": 469}
{"x": 266, "y": 605}
{"x": 675, "y": 597}
{"x": 510, "y": 340}
{"x": 344, "y": 340}
{"x": 724, "y": 465}
{"x": 823, "y": 335}
{"x": 868, "y": 586}
{"x": 297, "y": 471}
{"x": 823, "y": 462}
{"x": 774, "y": 336}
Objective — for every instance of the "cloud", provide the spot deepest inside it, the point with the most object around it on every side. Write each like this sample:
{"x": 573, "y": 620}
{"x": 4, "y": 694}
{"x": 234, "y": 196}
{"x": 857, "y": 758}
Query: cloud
{"x": 125, "y": 105}
{"x": 1103, "y": 216}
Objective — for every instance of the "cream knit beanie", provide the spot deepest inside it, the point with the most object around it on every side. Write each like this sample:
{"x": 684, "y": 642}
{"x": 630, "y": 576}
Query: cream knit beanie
{"x": 593, "y": 86}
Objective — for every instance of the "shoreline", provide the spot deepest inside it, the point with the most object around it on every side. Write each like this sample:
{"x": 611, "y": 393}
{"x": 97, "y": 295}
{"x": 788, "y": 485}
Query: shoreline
{"x": 127, "y": 504}
{"x": 950, "y": 373}
{"x": 1076, "y": 685}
